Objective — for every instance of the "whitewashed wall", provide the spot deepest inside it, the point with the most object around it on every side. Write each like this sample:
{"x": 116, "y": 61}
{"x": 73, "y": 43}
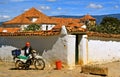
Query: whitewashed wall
{"x": 62, "y": 47}
{"x": 63, "y": 50}
{"x": 83, "y": 49}
{"x": 39, "y": 43}
{"x": 52, "y": 48}
{"x": 71, "y": 40}
{"x": 47, "y": 26}
{"x": 43, "y": 26}
{"x": 102, "y": 50}
{"x": 23, "y": 27}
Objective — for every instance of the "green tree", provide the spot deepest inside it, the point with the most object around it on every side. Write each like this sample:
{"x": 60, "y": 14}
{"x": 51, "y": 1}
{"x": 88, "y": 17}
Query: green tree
{"x": 32, "y": 27}
{"x": 109, "y": 25}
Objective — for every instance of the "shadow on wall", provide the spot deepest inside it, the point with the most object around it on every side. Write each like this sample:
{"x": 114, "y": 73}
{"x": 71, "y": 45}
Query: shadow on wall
{"x": 0, "y": 45}
{"x": 39, "y": 43}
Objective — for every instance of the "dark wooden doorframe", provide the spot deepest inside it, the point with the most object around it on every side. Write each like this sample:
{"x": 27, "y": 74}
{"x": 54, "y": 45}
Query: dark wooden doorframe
{"x": 76, "y": 50}
{"x": 78, "y": 57}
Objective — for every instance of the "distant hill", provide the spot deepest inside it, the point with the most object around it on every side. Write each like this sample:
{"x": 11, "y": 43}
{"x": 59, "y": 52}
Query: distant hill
{"x": 98, "y": 17}
{"x": 1, "y": 23}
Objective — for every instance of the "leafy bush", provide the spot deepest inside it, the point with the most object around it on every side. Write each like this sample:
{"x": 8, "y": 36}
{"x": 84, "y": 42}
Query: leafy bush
{"x": 108, "y": 25}
{"x": 32, "y": 27}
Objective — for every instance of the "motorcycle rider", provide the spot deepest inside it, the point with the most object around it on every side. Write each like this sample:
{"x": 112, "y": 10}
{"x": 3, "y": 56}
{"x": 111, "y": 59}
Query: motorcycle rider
{"x": 25, "y": 61}
{"x": 27, "y": 49}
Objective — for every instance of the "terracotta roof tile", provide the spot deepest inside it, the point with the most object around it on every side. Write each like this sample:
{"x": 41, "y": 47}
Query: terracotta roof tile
{"x": 37, "y": 33}
{"x": 47, "y": 20}
{"x": 71, "y": 27}
{"x": 11, "y": 30}
{"x": 33, "y": 13}
{"x": 70, "y": 23}
{"x": 74, "y": 27}
{"x": 18, "y": 20}
{"x": 65, "y": 21}
{"x": 24, "y": 18}
{"x": 87, "y": 17}
{"x": 104, "y": 35}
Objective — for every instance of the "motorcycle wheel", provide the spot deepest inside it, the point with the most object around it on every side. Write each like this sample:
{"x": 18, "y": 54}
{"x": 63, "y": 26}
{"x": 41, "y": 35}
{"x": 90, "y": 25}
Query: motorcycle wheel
{"x": 27, "y": 64}
{"x": 39, "y": 64}
{"x": 18, "y": 64}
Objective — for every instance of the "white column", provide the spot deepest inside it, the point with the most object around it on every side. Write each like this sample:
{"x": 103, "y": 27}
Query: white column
{"x": 71, "y": 49}
{"x": 84, "y": 49}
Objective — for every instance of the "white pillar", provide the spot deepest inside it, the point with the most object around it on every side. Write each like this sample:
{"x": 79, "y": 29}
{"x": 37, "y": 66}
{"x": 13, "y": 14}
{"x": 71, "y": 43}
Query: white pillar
{"x": 71, "y": 39}
{"x": 84, "y": 49}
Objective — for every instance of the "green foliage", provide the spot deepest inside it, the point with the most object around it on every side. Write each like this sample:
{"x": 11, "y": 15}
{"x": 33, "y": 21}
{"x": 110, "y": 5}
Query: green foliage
{"x": 108, "y": 25}
{"x": 32, "y": 27}
{"x": 110, "y": 21}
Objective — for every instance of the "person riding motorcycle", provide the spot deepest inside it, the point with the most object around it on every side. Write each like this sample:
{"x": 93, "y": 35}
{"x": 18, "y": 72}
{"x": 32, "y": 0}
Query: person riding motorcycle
{"x": 30, "y": 58}
{"x": 27, "y": 49}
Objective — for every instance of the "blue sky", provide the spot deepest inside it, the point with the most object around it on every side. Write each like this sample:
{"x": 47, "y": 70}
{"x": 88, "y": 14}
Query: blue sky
{"x": 12, "y": 8}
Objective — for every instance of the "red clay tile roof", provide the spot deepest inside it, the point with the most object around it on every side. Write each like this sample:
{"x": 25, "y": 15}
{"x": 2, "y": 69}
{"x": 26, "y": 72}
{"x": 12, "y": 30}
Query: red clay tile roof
{"x": 9, "y": 30}
{"x": 47, "y": 20}
{"x": 24, "y": 18}
{"x": 34, "y": 13}
{"x": 35, "y": 33}
{"x": 71, "y": 27}
{"x": 75, "y": 27}
{"x": 87, "y": 17}
{"x": 18, "y": 20}
{"x": 104, "y": 35}
{"x": 65, "y": 21}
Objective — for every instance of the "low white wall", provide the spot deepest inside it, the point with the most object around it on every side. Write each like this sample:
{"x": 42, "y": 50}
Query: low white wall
{"x": 65, "y": 48}
{"x": 57, "y": 52}
{"x": 39, "y": 43}
{"x": 52, "y": 48}
{"x": 5, "y": 52}
{"x": 102, "y": 50}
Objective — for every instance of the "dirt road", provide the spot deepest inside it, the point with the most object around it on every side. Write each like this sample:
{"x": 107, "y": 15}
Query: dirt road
{"x": 8, "y": 70}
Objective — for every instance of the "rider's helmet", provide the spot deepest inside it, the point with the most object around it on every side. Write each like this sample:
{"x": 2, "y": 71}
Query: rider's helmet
{"x": 27, "y": 44}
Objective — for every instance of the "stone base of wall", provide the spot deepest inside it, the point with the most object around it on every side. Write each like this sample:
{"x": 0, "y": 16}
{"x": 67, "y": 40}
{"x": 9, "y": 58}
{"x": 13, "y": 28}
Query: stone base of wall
{"x": 94, "y": 69}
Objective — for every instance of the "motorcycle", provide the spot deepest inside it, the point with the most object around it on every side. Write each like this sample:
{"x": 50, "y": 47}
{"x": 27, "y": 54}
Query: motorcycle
{"x": 23, "y": 62}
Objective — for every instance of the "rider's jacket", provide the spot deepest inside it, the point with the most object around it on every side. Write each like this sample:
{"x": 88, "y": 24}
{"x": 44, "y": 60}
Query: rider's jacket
{"x": 28, "y": 50}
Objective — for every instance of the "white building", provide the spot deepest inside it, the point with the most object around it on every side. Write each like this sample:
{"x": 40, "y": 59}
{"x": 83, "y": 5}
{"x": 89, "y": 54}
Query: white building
{"x": 62, "y": 39}
{"x": 56, "y": 39}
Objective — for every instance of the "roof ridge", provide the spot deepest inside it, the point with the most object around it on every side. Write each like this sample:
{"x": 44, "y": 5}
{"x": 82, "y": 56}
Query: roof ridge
{"x": 87, "y": 16}
{"x": 22, "y": 18}
{"x": 33, "y": 12}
